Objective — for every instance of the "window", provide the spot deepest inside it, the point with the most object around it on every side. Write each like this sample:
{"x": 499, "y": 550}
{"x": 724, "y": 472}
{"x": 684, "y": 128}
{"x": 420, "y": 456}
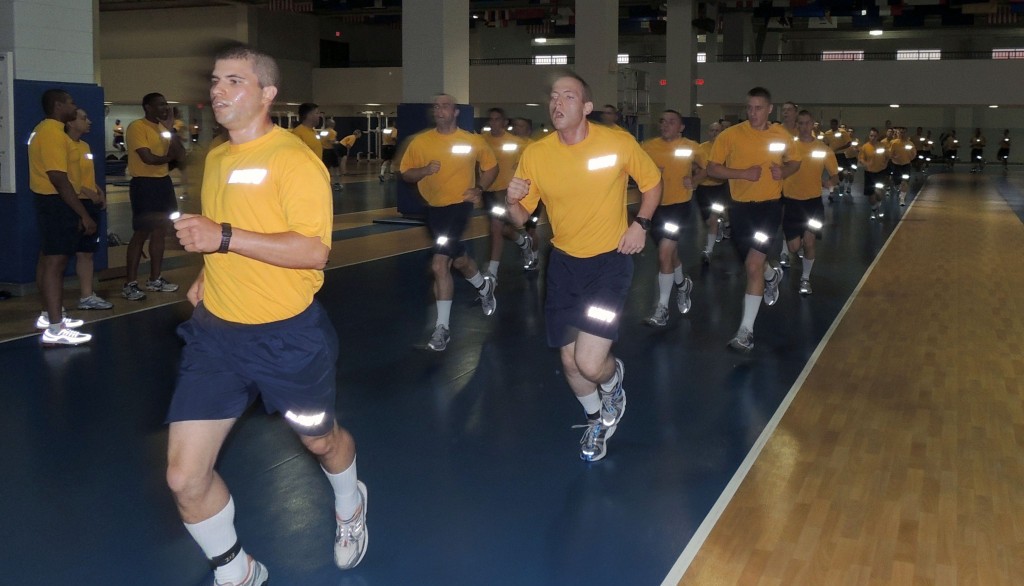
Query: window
{"x": 550, "y": 60}
{"x": 702, "y": 57}
{"x": 918, "y": 54}
{"x": 842, "y": 55}
{"x": 1008, "y": 53}
{"x": 623, "y": 58}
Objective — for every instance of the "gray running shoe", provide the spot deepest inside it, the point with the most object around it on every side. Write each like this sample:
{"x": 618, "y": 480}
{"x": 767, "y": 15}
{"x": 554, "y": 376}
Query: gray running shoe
{"x": 530, "y": 256}
{"x": 771, "y": 287}
{"x": 805, "y": 287}
{"x": 65, "y": 337}
{"x": 94, "y": 301}
{"x": 743, "y": 340}
{"x": 592, "y": 444}
{"x": 660, "y": 317}
{"x": 131, "y": 292}
{"x": 613, "y": 402}
{"x": 352, "y": 537}
{"x": 487, "y": 300}
{"x": 162, "y": 285}
{"x": 784, "y": 260}
{"x": 683, "y": 291}
{"x": 439, "y": 339}
{"x": 258, "y": 575}
{"x": 705, "y": 257}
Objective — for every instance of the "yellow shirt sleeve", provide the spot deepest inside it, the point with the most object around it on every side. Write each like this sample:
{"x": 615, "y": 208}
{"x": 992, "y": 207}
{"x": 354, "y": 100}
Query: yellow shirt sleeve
{"x": 145, "y": 134}
{"x": 308, "y": 136}
{"x": 49, "y": 150}
{"x": 348, "y": 141}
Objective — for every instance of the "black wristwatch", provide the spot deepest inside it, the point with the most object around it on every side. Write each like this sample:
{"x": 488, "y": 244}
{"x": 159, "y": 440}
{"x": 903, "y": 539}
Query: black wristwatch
{"x": 225, "y": 237}
{"x": 645, "y": 223}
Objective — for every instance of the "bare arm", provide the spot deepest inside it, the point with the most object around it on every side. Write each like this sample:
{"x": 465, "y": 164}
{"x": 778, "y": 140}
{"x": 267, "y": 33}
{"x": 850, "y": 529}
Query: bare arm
{"x": 790, "y": 167}
{"x": 289, "y": 250}
{"x": 418, "y": 173}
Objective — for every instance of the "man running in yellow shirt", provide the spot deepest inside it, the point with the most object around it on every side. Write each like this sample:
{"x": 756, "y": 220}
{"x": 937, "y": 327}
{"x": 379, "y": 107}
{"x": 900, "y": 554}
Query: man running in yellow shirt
{"x": 755, "y": 157}
{"x": 674, "y": 155}
{"x": 873, "y": 156}
{"x": 803, "y": 211}
{"x": 902, "y": 152}
{"x": 580, "y": 173}
{"x": 507, "y": 148}
{"x": 712, "y": 196}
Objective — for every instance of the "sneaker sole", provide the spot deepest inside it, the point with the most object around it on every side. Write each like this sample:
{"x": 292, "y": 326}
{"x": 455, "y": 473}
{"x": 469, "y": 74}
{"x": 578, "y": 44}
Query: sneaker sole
{"x": 740, "y": 348}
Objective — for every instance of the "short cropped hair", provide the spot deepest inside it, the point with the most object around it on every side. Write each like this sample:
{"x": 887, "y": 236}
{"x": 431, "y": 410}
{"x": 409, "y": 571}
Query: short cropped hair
{"x": 588, "y": 96}
{"x": 760, "y": 92}
{"x": 50, "y": 99}
{"x": 500, "y": 112}
{"x": 148, "y": 99}
{"x": 305, "y": 108}
{"x": 267, "y": 72}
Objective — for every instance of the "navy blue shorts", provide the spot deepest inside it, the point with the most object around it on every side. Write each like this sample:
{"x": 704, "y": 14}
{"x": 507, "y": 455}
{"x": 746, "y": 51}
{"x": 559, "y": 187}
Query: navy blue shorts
{"x": 586, "y": 295}
{"x": 898, "y": 171}
{"x": 290, "y": 363}
{"x": 668, "y": 221}
{"x": 496, "y": 199}
{"x": 152, "y": 200}
{"x": 871, "y": 179}
{"x": 843, "y": 162}
{"x": 89, "y": 243}
{"x": 707, "y": 195}
{"x": 802, "y": 215}
{"x": 60, "y": 228}
{"x": 754, "y": 225}
{"x": 446, "y": 225}
{"x": 1003, "y": 154}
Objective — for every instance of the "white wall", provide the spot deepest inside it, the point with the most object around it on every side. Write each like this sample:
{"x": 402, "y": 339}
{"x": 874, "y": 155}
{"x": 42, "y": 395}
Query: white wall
{"x": 52, "y": 39}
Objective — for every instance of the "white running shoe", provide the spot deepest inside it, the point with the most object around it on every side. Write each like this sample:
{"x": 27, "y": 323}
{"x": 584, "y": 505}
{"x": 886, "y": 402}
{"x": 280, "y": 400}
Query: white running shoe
{"x": 352, "y": 537}
{"x": 65, "y": 337}
{"x": 43, "y": 321}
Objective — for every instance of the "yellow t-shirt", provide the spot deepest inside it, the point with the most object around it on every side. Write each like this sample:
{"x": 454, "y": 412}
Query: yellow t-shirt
{"x": 311, "y": 138}
{"x": 854, "y": 149}
{"x": 86, "y": 174}
{"x": 389, "y": 137}
{"x": 815, "y": 157}
{"x": 458, "y": 153}
{"x": 792, "y": 131}
{"x": 328, "y": 138}
{"x": 702, "y": 160}
{"x": 583, "y": 186}
{"x": 507, "y": 149}
{"x": 49, "y": 149}
{"x": 837, "y": 139}
{"x": 218, "y": 140}
{"x": 874, "y": 157}
{"x": 741, "y": 146}
{"x": 348, "y": 141}
{"x": 675, "y": 159}
{"x": 902, "y": 152}
{"x": 151, "y": 135}
{"x": 272, "y": 184}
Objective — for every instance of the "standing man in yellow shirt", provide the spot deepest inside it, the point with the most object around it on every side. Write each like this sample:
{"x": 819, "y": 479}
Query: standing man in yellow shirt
{"x": 902, "y": 152}
{"x": 62, "y": 219}
{"x": 674, "y": 156}
{"x": 94, "y": 200}
{"x": 309, "y": 118}
{"x": 803, "y": 214}
{"x": 755, "y": 156}
{"x": 347, "y": 143}
{"x": 328, "y": 144}
{"x": 152, "y": 146}
{"x": 873, "y": 156}
{"x": 388, "y": 142}
{"x": 443, "y": 162}
{"x": 257, "y": 329}
{"x": 580, "y": 173}
{"x": 507, "y": 148}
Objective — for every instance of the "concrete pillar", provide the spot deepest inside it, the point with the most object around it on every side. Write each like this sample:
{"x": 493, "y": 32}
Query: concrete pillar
{"x": 435, "y": 50}
{"x": 52, "y": 39}
{"x": 597, "y": 48}
{"x": 681, "y": 57}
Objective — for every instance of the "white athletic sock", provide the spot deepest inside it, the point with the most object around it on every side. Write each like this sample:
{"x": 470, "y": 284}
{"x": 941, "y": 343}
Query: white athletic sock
{"x": 751, "y": 303}
{"x": 609, "y": 385}
{"x": 677, "y": 275}
{"x": 769, "y": 271}
{"x": 382, "y": 168}
{"x": 216, "y": 536}
{"x": 476, "y": 280}
{"x": 444, "y": 312}
{"x": 664, "y": 287}
{"x": 346, "y": 493}
{"x": 711, "y": 243}
{"x": 492, "y": 267}
{"x": 520, "y": 240}
{"x": 591, "y": 403}
{"x": 808, "y": 264}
